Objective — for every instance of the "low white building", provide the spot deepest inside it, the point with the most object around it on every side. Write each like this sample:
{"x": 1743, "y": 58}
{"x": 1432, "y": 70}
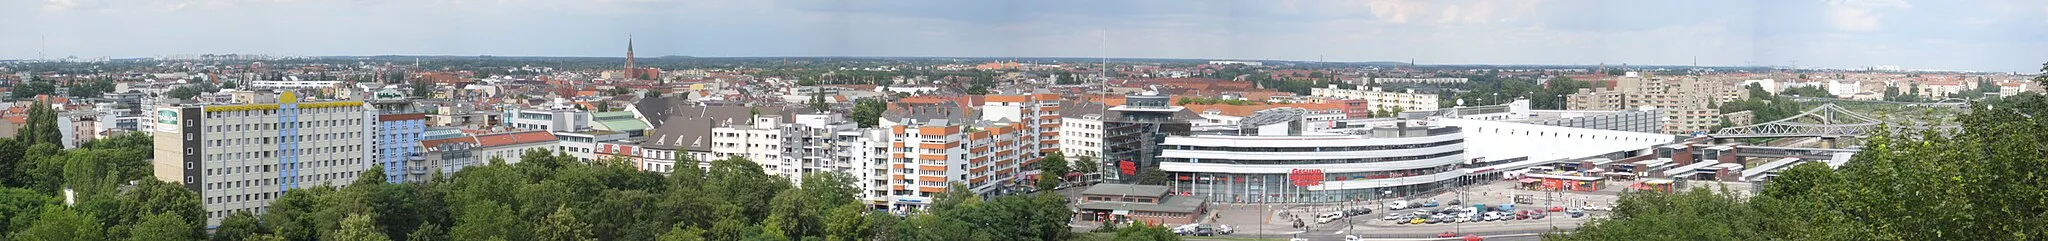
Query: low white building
{"x": 1507, "y": 140}
{"x": 1376, "y": 99}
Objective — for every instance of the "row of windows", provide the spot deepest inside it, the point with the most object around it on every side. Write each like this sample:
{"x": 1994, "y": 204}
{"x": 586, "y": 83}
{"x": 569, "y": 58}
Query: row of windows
{"x": 1312, "y": 149}
{"x": 258, "y": 211}
{"x": 285, "y": 125}
{"x": 268, "y": 154}
{"x": 268, "y": 140}
{"x": 1316, "y": 161}
{"x": 274, "y": 112}
{"x": 285, "y": 166}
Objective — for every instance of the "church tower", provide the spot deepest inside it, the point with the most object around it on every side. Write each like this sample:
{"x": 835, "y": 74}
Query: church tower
{"x": 629, "y": 58}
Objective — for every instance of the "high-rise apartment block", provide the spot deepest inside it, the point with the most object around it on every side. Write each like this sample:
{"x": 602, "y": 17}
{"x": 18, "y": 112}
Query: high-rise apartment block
{"x": 1685, "y": 101}
{"x": 239, "y": 157}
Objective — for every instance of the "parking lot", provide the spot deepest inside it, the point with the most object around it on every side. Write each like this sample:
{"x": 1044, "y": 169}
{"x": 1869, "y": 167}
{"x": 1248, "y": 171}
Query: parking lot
{"x": 1277, "y": 220}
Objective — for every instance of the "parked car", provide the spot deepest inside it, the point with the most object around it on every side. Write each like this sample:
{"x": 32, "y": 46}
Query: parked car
{"x": 1352, "y": 238}
{"x": 1397, "y": 205}
{"x": 1454, "y": 202}
{"x": 1329, "y": 217}
{"x": 1430, "y": 204}
{"x": 1507, "y": 207}
{"x": 1357, "y": 211}
{"x": 1395, "y": 216}
{"x": 1556, "y": 209}
{"x": 1520, "y": 215}
{"x": 1417, "y": 220}
{"x": 1538, "y": 215}
{"x": 1224, "y": 229}
{"x": 1205, "y": 230}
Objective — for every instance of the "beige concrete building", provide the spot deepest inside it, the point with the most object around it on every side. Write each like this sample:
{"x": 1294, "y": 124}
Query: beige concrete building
{"x": 1685, "y": 101}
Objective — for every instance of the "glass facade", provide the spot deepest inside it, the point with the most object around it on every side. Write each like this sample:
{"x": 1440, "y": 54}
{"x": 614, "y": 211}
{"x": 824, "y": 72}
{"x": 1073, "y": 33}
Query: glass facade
{"x": 1220, "y": 168}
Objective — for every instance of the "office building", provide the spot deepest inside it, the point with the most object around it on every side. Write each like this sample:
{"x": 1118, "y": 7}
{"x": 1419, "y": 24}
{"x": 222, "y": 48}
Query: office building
{"x": 239, "y": 157}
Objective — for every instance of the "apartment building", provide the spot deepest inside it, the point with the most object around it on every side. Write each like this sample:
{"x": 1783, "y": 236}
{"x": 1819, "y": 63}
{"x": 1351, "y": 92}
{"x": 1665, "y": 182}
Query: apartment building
{"x": 1685, "y": 101}
{"x": 759, "y": 140}
{"x": 934, "y": 144}
{"x": 1377, "y": 99}
{"x": 398, "y": 141}
{"x": 240, "y": 156}
{"x": 1595, "y": 99}
{"x": 551, "y": 120}
{"x": 448, "y": 155}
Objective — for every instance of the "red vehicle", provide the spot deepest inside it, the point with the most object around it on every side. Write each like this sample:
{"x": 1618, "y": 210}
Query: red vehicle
{"x": 1474, "y": 237}
{"x": 1447, "y": 235}
{"x": 1521, "y": 214}
{"x": 1556, "y": 209}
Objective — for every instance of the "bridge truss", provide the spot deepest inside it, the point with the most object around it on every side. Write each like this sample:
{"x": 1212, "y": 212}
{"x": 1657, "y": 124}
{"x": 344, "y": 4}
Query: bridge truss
{"x": 1833, "y": 121}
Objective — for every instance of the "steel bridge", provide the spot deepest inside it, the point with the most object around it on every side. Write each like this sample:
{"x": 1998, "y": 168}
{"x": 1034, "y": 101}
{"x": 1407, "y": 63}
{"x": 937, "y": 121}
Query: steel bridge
{"x": 1826, "y": 121}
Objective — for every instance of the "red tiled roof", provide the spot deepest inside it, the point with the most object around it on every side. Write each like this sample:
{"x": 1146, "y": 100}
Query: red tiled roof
{"x": 514, "y": 138}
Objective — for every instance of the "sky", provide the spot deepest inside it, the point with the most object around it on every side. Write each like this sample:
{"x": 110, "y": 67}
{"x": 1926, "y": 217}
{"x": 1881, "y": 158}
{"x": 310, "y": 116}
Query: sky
{"x": 1981, "y": 35}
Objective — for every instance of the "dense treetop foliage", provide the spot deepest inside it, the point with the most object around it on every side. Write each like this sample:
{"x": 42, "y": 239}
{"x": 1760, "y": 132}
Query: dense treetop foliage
{"x": 1980, "y": 183}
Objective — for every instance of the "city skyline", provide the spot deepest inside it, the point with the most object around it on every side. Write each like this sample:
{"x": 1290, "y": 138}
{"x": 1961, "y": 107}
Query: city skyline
{"x": 1979, "y": 36}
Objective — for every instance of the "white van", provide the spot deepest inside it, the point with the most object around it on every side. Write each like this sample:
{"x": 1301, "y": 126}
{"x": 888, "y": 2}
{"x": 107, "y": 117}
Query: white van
{"x": 1329, "y": 217}
{"x": 1397, "y": 205}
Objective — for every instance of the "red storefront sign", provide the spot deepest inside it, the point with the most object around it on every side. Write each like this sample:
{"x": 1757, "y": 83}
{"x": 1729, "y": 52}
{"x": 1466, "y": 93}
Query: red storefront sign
{"x": 1128, "y": 167}
{"x": 1305, "y": 177}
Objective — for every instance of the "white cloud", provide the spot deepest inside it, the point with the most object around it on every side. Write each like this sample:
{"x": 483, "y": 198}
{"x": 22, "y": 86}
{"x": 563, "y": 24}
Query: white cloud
{"x": 1859, "y": 15}
{"x": 64, "y": 5}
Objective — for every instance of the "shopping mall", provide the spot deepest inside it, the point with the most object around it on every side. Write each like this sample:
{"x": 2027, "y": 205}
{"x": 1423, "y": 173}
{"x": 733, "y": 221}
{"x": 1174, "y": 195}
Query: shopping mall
{"x": 1270, "y": 157}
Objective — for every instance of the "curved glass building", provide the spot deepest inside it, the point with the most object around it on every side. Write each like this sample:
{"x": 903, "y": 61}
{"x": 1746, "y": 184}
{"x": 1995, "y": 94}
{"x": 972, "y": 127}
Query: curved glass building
{"x": 1254, "y": 164}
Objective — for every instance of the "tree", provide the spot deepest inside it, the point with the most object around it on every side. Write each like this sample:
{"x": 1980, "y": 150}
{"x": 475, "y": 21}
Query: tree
{"x": 847, "y": 223}
{"x": 1051, "y": 169}
{"x": 737, "y": 178}
{"x": 487, "y": 220}
{"x": 1881, "y": 194}
{"x": 19, "y": 208}
{"x": 679, "y": 233}
{"x": 868, "y": 112}
{"x": 162, "y": 227}
{"x": 1086, "y": 165}
{"x": 238, "y": 226}
{"x": 422, "y": 89}
{"x": 1152, "y": 176}
{"x": 1146, "y": 232}
{"x": 562, "y": 226}
{"x": 428, "y": 232}
{"x": 2043, "y": 78}
{"x": 358, "y": 227}
{"x": 818, "y": 101}
{"x": 58, "y": 223}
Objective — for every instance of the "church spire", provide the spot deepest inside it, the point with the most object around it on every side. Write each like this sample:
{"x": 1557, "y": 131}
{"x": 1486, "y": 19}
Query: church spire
{"x": 629, "y": 58}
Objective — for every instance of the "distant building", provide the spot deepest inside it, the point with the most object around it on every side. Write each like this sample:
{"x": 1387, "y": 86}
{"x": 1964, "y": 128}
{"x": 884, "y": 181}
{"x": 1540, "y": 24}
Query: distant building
{"x": 1420, "y": 80}
{"x": 551, "y": 120}
{"x": 1378, "y": 100}
{"x": 1227, "y": 62}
